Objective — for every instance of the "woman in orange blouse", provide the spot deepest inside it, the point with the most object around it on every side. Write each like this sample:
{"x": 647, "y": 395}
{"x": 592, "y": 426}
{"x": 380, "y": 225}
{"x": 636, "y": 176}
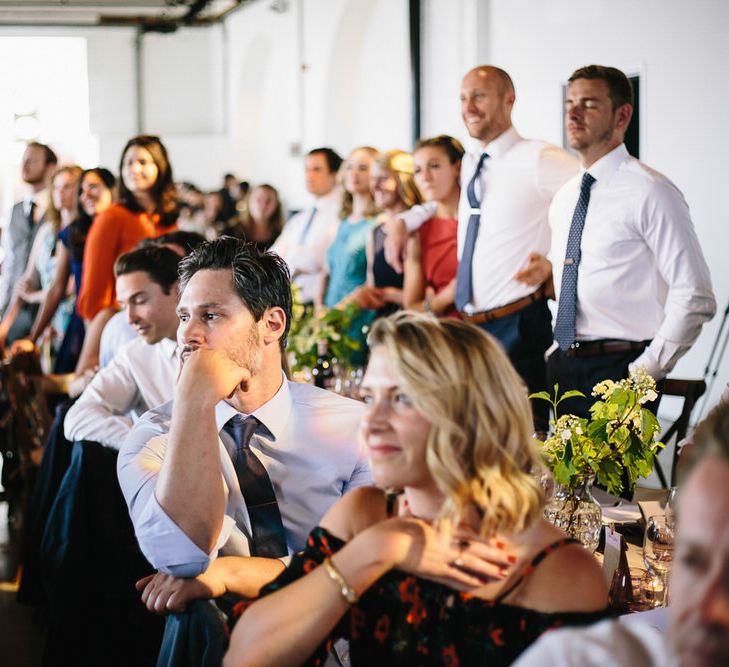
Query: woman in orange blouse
{"x": 147, "y": 207}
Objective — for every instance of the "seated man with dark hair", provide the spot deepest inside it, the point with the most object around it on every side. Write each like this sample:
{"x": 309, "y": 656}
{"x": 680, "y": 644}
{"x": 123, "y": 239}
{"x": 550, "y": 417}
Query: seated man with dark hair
{"x": 243, "y": 462}
{"x": 236, "y": 425}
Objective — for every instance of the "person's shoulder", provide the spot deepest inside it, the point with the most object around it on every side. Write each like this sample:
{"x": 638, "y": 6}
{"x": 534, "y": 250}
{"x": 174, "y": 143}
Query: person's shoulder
{"x": 608, "y": 642}
{"x": 568, "y": 579}
{"x": 648, "y": 184}
{"x": 159, "y": 417}
{"x": 355, "y": 511}
{"x": 113, "y": 215}
{"x": 314, "y": 398}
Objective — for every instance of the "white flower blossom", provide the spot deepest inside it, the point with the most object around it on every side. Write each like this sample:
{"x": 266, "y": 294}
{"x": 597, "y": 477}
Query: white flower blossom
{"x": 566, "y": 435}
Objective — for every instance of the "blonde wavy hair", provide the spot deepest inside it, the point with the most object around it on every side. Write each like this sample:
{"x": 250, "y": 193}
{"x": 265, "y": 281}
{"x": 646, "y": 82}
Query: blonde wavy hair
{"x": 480, "y": 448}
{"x": 53, "y": 215}
{"x": 345, "y": 207}
{"x": 402, "y": 166}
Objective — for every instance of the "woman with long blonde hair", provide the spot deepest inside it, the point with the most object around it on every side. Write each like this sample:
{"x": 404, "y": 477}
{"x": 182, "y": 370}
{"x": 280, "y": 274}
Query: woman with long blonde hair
{"x": 454, "y": 564}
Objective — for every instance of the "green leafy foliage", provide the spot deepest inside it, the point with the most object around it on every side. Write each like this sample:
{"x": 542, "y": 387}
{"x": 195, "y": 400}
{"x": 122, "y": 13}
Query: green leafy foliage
{"x": 619, "y": 440}
{"x": 308, "y": 328}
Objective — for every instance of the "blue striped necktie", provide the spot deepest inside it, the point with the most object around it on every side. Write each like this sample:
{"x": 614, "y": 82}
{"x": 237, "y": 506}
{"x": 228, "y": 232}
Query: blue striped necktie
{"x": 464, "y": 277}
{"x": 565, "y": 326}
{"x": 307, "y": 227}
{"x": 268, "y": 535}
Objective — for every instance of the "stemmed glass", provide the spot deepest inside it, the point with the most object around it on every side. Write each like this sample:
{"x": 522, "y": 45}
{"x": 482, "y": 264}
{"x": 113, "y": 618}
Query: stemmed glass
{"x": 657, "y": 556}
{"x": 671, "y": 507}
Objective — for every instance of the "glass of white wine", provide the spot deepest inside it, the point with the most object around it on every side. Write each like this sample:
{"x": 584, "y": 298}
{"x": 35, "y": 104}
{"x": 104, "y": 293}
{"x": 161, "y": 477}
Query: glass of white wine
{"x": 657, "y": 556}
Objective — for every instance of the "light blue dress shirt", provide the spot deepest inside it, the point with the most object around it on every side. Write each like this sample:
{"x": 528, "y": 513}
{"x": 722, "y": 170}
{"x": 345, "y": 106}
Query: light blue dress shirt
{"x": 308, "y": 444}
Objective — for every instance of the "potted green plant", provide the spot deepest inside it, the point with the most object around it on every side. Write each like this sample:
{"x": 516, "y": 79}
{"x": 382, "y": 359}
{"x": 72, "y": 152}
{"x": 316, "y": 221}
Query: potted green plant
{"x": 615, "y": 446}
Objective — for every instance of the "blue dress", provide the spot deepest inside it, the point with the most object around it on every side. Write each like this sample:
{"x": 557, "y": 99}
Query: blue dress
{"x": 70, "y": 349}
{"x": 347, "y": 260}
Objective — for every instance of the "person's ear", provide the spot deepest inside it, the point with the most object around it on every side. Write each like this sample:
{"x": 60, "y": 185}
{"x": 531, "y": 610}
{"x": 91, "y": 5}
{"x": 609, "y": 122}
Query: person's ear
{"x": 623, "y": 114}
{"x": 274, "y": 324}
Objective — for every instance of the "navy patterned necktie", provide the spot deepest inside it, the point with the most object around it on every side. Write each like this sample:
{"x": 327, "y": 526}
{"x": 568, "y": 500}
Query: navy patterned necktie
{"x": 464, "y": 278}
{"x": 269, "y": 538}
{"x": 565, "y": 326}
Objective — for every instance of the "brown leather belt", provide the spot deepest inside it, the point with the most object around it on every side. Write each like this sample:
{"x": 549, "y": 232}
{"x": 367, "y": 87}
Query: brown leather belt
{"x": 596, "y": 348}
{"x": 502, "y": 311}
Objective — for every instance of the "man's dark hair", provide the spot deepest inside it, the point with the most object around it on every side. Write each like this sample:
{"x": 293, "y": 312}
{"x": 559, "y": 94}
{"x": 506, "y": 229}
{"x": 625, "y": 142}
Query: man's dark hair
{"x": 159, "y": 263}
{"x": 51, "y": 157}
{"x": 619, "y": 86}
{"x": 334, "y": 160}
{"x": 186, "y": 240}
{"x": 261, "y": 279}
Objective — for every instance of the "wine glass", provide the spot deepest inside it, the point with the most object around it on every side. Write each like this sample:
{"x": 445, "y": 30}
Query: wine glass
{"x": 657, "y": 556}
{"x": 671, "y": 507}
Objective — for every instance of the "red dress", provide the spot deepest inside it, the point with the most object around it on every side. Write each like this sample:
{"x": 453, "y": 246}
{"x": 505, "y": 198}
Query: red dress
{"x": 439, "y": 254}
{"x": 114, "y": 232}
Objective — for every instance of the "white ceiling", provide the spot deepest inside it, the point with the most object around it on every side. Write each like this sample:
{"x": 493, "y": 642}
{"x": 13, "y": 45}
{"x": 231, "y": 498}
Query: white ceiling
{"x": 110, "y": 12}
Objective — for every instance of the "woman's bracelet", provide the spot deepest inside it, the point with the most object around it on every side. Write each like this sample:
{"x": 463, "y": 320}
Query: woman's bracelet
{"x": 349, "y": 594}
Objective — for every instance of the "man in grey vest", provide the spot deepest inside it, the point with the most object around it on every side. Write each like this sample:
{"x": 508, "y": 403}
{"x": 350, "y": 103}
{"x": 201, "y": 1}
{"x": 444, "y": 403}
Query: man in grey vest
{"x": 26, "y": 218}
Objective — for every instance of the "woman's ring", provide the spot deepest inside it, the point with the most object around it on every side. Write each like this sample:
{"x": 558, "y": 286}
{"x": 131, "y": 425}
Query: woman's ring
{"x": 457, "y": 562}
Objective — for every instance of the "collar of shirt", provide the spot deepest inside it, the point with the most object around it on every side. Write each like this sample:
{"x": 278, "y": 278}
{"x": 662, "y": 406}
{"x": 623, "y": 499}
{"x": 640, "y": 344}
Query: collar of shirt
{"x": 169, "y": 347}
{"x": 330, "y": 199}
{"x": 273, "y": 415}
{"x": 502, "y": 144}
{"x": 607, "y": 165}
{"x": 40, "y": 199}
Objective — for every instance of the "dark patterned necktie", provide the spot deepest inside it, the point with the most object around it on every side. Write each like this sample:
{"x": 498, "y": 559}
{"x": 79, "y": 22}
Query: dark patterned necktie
{"x": 565, "y": 326}
{"x": 464, "y": 278}
{"x": 268, "y": 536}
{"x": 31, "y": 214}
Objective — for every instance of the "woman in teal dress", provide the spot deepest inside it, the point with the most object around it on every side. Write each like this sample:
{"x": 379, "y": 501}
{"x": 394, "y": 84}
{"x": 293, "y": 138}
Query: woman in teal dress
{"x": 346, "y": 265}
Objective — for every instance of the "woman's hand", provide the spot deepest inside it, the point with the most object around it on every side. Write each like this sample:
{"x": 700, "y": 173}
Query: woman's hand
{"x": 163, "y": 593}
{"x": 465, "y": 562}
{"x": 367, "y": 297}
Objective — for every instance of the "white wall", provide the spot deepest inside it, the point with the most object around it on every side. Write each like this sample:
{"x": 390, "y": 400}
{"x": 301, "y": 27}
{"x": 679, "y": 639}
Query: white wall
{"x": 353, "y": 88}
{"x": 183, "y": 96}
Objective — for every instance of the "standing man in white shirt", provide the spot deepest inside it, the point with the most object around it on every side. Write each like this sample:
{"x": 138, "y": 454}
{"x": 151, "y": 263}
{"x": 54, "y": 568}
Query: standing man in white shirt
{"x": 632, "y": 285}
{"x": 506, "y": 190}
{"x": 307, "y": 235}
{"x": 25, "y": 220}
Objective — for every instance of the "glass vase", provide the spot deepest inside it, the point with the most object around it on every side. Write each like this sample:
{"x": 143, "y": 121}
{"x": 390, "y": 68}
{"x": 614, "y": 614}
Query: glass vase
{"x": 576, "y": 512}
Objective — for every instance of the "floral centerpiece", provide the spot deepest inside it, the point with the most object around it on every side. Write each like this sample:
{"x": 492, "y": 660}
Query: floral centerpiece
{"x": 309, "y": 329}
{"x": 615, "y": 446}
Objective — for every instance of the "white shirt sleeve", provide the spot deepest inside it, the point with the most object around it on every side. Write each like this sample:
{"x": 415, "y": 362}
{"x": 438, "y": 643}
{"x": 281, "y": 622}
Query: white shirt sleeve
{"x": 555, "y": 166}
{"x": 12, "y": 264}
{"x": 102, "y": 411}
{"x": 162, "y": 541}
{"x": 669, "y": 233}
{"x": 418, "y": 215}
